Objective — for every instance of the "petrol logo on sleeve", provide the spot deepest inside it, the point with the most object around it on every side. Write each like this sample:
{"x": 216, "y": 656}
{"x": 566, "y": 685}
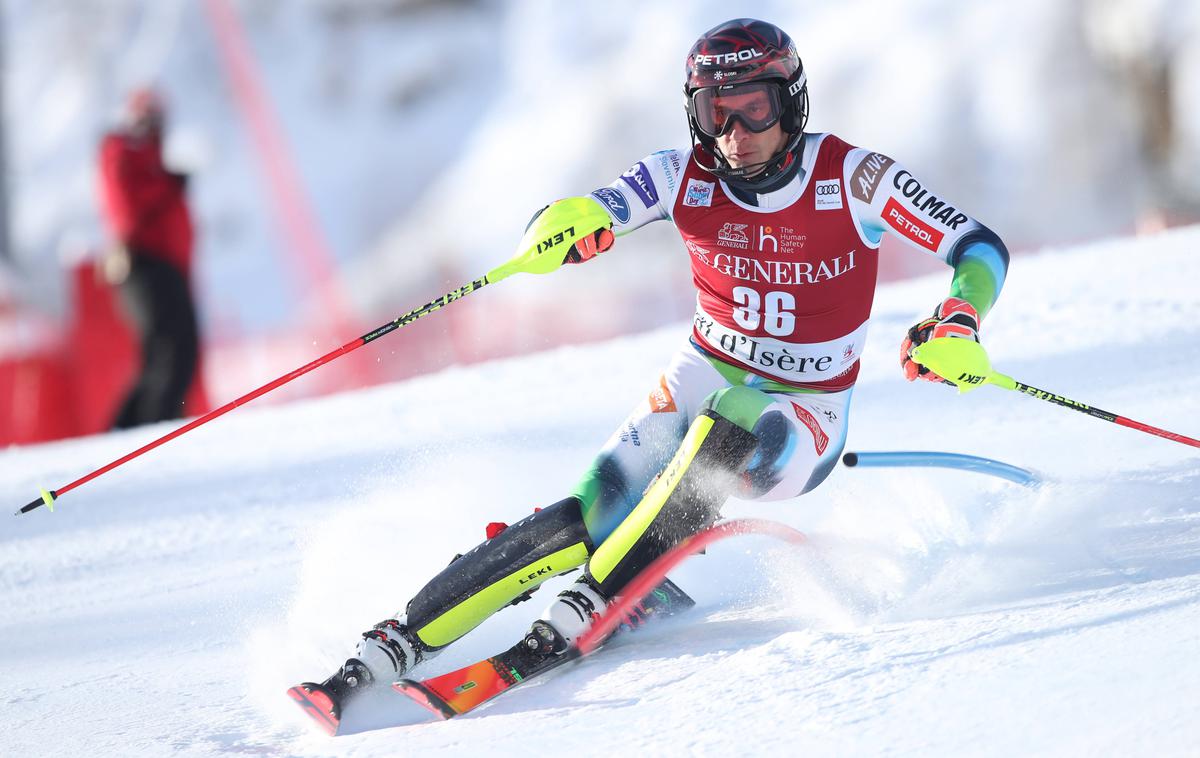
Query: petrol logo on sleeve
{"x": 615, "y": 201}
{"x": 820, "y": 438}
{"x": 638, "y": 179}
{"x": 699, "y": 194}
{"x": 900, "y": 220}
{"x": 829, "y": 195}
{"x": 660, "y": 399}
{"x": 927, "y": 202}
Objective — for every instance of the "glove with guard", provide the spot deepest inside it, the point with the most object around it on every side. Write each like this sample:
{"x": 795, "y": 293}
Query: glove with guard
{"x": 576, "y": 212}
{"x": 573, "y": 230}
{"x": 953, "y": 317}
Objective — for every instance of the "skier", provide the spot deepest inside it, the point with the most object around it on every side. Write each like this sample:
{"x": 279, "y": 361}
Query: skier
{"x": 782, "y": 228}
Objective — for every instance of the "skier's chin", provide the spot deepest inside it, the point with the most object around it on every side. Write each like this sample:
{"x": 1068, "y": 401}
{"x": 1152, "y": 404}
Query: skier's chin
{"x": 758, "y": 165}
{"x": 743, "y": 158}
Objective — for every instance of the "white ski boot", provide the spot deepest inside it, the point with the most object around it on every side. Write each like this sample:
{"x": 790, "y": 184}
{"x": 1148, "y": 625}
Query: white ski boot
{"x": 570, "y": 615}
{"x": 384, "y": 654}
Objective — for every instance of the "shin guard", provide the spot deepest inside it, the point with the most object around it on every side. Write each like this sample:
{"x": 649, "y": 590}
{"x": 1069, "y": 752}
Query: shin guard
{"x": 489, "y": 577}
{"x": 685, "y": 498}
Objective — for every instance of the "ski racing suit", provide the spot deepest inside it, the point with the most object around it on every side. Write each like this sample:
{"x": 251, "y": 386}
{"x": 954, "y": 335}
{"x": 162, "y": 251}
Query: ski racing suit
{"x": 755, "y": 403}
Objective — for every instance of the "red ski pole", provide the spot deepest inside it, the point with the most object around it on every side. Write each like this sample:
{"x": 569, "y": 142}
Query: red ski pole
{"x": 49, "y": 496}
{"x": 966, "y": 364}
{"x": 536, "y": 254}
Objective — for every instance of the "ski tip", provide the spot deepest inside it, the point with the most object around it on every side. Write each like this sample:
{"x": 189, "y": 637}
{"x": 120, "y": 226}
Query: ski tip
{"x": 319, "y": 705}
{"x": 425, "y": 696}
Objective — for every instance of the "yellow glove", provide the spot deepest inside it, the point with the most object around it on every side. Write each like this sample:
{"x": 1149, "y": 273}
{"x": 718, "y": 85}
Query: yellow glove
{"x": 573, "y": 230}
{"x": 954, "y": 317}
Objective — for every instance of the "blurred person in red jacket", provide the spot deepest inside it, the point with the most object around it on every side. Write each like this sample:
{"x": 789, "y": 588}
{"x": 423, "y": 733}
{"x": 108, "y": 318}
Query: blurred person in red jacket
{"x": 145, "y": 209}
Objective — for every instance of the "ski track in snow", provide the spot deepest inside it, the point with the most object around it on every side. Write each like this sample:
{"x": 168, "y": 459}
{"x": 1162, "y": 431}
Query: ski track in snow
{"x": 165, "y": 607}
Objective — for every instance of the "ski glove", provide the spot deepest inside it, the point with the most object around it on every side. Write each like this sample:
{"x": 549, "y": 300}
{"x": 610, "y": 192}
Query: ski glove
{"x": 587, "y": 246}
{"x": 573, "y": 230}
{"x": 954, "y": 317}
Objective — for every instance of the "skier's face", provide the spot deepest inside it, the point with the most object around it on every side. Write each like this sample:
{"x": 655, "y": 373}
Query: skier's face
{"x": 742, "y": 147}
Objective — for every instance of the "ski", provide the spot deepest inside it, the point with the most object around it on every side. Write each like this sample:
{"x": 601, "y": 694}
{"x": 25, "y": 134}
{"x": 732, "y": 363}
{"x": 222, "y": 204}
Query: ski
{"x": 469, "y": 687}
{"x": 323, "y": 702}
{"x": 649, "y": 595}
{"x": 320, "y": 704}
{"x": 462, "y": 691}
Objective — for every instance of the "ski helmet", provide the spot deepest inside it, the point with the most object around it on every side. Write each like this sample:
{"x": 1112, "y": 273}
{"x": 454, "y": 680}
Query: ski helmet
{"x": 738, "y": 56}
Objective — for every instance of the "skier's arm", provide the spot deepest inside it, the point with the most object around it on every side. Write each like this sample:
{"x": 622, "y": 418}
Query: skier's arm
{"x": 645, "y": 193}
{"x": 576, "y": 229}
{"x": 886, "y": 197}
{"x": 980, "y": 265}
{"x": 979, "y": 268}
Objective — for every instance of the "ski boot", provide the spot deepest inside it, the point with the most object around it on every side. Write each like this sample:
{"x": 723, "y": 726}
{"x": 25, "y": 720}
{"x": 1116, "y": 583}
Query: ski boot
{"x": 579, "y": 606}
{"x": 384, "y": 654}
{"x": 571, "y": 614}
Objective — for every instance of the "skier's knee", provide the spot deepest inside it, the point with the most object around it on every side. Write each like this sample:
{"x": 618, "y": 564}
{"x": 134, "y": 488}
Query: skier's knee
{"x": 606, "y": 496}
{"x": 685, "y": 498}
{"x": 779, "y": 469}
{"x": 738, "y": 405}
{"x": 776, "y": 445}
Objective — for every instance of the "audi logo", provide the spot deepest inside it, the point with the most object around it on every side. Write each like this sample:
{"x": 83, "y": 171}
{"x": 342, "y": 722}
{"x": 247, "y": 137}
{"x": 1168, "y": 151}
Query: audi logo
{"x": 829, "y": 189}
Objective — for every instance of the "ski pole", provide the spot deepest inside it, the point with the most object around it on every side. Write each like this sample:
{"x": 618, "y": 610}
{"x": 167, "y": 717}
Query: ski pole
{"x": 49, "y": 496}
{"x": 536, "y": 254}
{"x": 968, "y": 364}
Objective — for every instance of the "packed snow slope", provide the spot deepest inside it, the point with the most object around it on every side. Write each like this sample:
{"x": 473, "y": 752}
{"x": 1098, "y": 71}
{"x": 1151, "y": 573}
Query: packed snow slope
{"x": 165, "y": 607}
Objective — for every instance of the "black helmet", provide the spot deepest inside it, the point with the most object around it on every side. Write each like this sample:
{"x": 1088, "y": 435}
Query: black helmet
{"x": 723, "y": 61}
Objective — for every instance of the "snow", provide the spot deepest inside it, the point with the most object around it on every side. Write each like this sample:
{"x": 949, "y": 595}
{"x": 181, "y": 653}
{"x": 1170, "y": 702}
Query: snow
{"x": 166, "y": 607}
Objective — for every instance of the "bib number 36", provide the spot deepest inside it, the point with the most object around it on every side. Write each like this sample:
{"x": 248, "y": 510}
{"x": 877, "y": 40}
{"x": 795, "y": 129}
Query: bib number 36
{"x": 773, "y": 311}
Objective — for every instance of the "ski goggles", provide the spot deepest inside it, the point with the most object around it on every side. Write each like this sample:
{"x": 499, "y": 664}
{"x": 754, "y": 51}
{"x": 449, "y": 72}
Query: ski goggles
{"x": 756, "y": 104}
